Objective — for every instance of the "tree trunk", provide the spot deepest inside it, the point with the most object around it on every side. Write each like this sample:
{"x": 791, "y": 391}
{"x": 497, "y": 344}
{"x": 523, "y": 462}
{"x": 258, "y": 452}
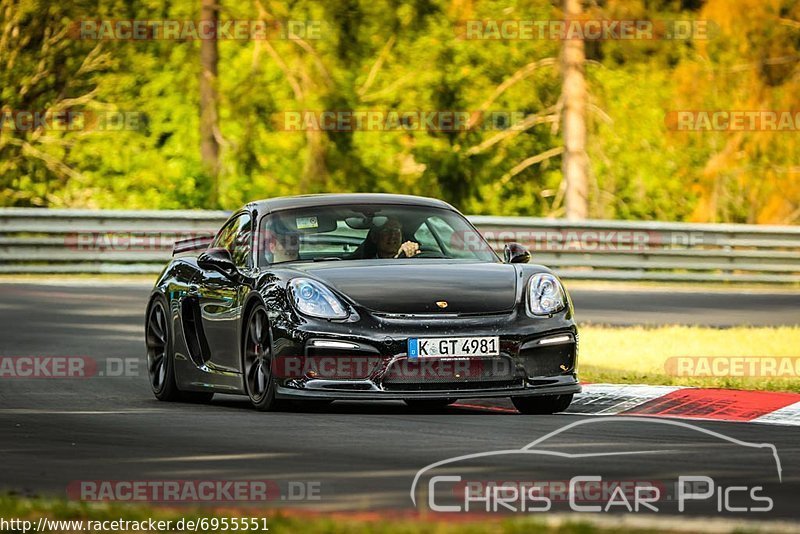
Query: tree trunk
{"x": 573, "y": 92}
{"x": 209, "y": 145}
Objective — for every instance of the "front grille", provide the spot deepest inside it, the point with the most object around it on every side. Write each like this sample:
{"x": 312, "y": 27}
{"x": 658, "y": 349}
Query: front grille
{"x": 450, "y": 373}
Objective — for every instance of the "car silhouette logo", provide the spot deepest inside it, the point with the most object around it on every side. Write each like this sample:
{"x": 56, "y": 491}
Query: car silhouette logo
{"x": 441, "y": 303}
{"x": 535, "y": 448}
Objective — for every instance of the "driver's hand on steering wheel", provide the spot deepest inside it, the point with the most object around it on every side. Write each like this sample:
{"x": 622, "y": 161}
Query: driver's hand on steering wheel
{"x": 409, "y": 249}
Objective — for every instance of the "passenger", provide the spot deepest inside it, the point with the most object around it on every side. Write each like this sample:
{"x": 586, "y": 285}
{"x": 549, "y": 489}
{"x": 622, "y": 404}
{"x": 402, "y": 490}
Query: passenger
{"x": 283, "y": 247}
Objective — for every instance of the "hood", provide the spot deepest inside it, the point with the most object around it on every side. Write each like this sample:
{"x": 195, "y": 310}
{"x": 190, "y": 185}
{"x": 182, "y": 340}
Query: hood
{"x": 415, "y": 285}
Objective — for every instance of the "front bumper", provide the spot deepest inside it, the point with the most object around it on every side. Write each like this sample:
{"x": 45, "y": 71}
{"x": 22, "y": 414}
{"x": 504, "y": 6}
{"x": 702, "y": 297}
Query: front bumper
{"x": 367, "y": 360}
{"x": 561, "y": 387}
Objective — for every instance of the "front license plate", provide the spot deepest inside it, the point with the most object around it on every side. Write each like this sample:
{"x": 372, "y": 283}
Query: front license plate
{"x": 423, "y": 347}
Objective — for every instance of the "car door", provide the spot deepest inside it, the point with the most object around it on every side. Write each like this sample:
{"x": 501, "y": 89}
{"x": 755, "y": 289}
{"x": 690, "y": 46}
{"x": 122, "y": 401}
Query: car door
{"x": 220, "y": 297}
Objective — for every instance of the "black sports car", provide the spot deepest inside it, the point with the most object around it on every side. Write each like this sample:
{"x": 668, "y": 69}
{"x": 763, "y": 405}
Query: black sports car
{"x": 359, "y": 296}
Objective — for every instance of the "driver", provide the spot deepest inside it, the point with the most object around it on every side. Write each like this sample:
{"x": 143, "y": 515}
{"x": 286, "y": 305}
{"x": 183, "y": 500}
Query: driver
{"x": 388, "y": 240}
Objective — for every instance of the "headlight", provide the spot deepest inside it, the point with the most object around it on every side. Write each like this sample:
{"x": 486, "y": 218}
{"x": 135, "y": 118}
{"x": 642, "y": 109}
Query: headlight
{"x": 545, "y": 294}
{"x": 314, "y": 299}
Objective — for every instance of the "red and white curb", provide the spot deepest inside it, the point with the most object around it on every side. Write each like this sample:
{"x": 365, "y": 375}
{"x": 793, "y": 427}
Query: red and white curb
{"x": 678, "y": 402}
{"x": 688, "y": 403}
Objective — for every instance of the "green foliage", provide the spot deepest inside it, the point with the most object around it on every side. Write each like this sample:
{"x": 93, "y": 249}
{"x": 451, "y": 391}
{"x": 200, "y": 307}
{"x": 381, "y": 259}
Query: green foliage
{"x": 389, "y": 55}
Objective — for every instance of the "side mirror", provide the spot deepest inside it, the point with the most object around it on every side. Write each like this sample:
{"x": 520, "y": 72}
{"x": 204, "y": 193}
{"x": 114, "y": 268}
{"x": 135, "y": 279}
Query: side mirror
{"x": 217, "y": 259}
{"x": 516, "y": 253}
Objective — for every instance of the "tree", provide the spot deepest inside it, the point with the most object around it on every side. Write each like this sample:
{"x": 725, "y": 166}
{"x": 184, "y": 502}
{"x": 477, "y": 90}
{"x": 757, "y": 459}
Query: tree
{"x": 575, "y": 162}
{"x": 44, "y": 72}
{"x": 209, "y": 102}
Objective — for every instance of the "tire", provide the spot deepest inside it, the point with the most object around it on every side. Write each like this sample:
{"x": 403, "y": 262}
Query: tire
{"x": 160, "y": 364}
{"x": 428, "y": 405}
{"x": 160, "y": 357}
{"x": 542, "y": 405}
{"x": 259, "y": 384}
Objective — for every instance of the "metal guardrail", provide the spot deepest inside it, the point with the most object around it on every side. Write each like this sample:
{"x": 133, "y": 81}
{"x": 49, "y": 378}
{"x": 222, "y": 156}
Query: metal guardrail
{"x": 85, "y": 241}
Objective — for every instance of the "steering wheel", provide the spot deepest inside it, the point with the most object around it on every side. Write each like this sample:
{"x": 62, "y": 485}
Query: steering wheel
{"x": 427, "y": 252}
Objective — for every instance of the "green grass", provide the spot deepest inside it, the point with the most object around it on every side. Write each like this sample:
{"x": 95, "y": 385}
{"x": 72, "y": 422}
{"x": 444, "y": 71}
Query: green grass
{"x": 639, "y": 355}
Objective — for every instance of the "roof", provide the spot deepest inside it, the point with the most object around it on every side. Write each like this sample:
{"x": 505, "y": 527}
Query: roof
{"x": 338, "y": 199}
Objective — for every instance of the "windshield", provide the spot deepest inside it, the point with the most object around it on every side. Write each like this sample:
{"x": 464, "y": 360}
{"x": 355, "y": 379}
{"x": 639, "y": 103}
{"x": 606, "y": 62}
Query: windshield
{"x": 360, "y": 232}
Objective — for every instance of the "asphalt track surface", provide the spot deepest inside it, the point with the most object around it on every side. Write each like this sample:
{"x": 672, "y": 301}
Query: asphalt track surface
{"x": 359, "y": 455}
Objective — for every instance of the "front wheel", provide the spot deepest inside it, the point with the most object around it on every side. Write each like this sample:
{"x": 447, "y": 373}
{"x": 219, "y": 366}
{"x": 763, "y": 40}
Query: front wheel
{"x": 542, "y": 405}
{"x": 257, "y": 361}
